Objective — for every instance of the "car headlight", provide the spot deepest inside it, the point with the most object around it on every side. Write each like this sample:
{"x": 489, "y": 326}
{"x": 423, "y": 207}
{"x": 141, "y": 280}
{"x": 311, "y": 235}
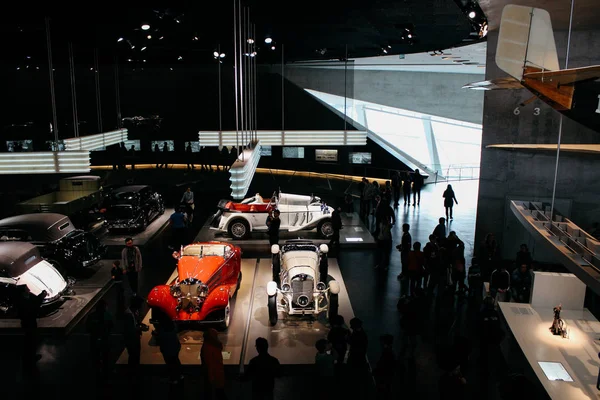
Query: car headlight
{"x": 321, "y": 286}
{"x": 175, "y": 291}
{"x": 285, "y": 287}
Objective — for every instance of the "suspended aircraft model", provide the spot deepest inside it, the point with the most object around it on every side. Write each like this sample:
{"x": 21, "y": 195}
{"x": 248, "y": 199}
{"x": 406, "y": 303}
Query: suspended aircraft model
{"x": 527, "y": 52}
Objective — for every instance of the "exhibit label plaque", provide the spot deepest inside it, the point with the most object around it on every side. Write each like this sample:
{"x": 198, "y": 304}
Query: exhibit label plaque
{"x": 326, "y": 155}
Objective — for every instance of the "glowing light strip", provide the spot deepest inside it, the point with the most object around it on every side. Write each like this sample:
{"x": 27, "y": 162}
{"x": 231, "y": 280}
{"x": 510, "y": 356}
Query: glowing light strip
{"x": 291, "y": 138}
{"x": 242, "y": 172}
{"x": 45, "y": 162}
{"x": 96, "y": 141}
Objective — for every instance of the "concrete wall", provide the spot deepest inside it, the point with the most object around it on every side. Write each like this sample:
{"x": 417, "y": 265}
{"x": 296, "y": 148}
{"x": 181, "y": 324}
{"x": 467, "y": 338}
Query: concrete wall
{"x": 520, "y": 174}
{"x": 431, "y": 93}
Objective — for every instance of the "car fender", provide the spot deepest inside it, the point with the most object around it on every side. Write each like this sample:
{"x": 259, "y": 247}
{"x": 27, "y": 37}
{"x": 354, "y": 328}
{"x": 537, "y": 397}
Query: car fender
{"x": 234, "y": 217}
{"x": 216, "y": 299}
{"x": 160, "y": 297}
{"x": 271, "y": 288}
{"x": 313, "y": 223}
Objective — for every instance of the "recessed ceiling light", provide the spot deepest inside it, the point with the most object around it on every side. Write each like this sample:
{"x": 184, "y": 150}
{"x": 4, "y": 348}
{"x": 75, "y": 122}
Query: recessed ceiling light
{"x": 143, "y": 48}
{"x": 222, "y": 55}
{"x": 145, "y": 27}
{"x": 129, "y": 59}
{"x": 215, "y": 54}
{"x": 120, "y": 39}
{"x": 149, "y": 36}
{"x": 472, "y": 14}
{"x": 250, "y": 40}
{"x": 18, "y": 68}
{"x": 180, "y": 58}
{"x": 272, "y": 47}
{"x": 144, "y": 60}
{"x": 28, "y": 57}
{"x": 268, "y": 40}
{"x": 171, "y": 69}
{"x": 410, "y": 36}
{"x": 161, "y": 38}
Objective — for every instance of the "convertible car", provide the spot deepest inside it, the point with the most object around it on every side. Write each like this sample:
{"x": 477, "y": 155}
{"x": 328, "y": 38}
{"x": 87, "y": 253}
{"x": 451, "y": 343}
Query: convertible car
{"x": 21, "y": 264}
{"x": 301, "y": 284}
{"x": 132, "y": 208}
{"x": 68, "y": 249}
{"x": 208, "y": 276}
{"x": 297, "y": 212}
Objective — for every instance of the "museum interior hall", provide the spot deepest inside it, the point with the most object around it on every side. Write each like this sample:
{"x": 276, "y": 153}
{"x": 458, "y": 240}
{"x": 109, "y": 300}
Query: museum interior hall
{"x": 337, "y": 199}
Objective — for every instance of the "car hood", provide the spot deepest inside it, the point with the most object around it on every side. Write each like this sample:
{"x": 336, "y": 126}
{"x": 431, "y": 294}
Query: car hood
{"x": 202, "y": 268}
{"x": 43, "y": 276}
{"x": 300, "y": 258}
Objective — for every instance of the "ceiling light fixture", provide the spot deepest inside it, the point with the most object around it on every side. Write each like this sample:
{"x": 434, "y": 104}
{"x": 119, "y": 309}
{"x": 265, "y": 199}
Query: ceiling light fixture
{"x": 161, "y": 38}
{"x": 149, "y": 36}
{"x": 472, "y": 14}
{"x": 120, "y": 39}
{"x": 144, "y": 60}
{"x": 143, "y": 48}
{"x": 28, "y": 57}
{"x": 180, "y": 58}
{"x": 410, "y": 36}
{"x": 250, "y": 40}
{"x": 384, "y": 50}
{"x": 272, "y": 47}
{"x": 215, "y": 54}
{"x": 268, "y": 40}
{"x": 145, "y": 27}
{"x": 222, "y": 55}
{"x": 195, "y": 38}
{"x": 132, "y": 47}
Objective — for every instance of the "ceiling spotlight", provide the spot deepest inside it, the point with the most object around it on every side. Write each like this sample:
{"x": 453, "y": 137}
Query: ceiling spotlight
{"x": 120, "y": 39}
{"x": 91, "y": 69}
{"x": 389, "y": 47}
{"x": 222, "y": 55}
{"x": 472, "y": 14}
{"x": 37, "y": 67}
{"x": 180, "y": 58}
{"x": 171, "y": 69}
{"x": 178, "y": 21}
{"x": 215, "y": 54}
{"x": 149, "y": 36}
{"x": 384, "y": 50}
{"x": 145, "y": 27}
{"x": 272, "y": 47}
{"x": 18, "y": 68}
{"x": 250, "y": 40}
{"x": 28, "y": 57}
{"x": 132, "y": 47}
{"x": 161, "y": 38}
{"x": 195, "y": 38}
{"x": 143, "y": 48}
{"x": 268, "y": 40}
{"x": 129, "y": 59}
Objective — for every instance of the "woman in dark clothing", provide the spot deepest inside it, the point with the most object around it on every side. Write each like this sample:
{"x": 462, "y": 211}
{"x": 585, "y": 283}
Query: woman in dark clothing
{"x": 449, "y": 199}
{"x": 406, "y": 187}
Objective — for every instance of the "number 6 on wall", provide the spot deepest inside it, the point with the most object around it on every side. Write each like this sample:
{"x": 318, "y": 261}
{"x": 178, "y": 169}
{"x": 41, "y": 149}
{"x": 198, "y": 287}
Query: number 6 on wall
{"x": 517, "y": 111}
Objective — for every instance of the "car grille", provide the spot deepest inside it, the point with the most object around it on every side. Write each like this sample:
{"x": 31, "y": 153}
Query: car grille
{"x": 302, "y": 286}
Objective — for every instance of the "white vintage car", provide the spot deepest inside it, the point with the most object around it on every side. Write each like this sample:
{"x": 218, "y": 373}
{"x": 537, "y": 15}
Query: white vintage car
{"x": 301, "y": 284}
{"x": 297, "y": 212}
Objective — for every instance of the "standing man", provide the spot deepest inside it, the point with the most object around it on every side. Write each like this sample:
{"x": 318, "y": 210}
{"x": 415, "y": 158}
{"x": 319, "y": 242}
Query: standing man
{"x": 336, "y": 224}
{"x": 189, "y": 156}
{"x": 165, "y": 149}
{"x": 188, "y": 201}
{"x": 132, "y": 156}
{"x": 404, "y": 247}
{"x": 178, "y": 222}
{"x": 131, "y": 258}
{"x": 28, "y": 307}
{"x": 396, "y": 184}
{"x": 418, "y": 182}
{"x": 262, "y": 370}
{"x": 274, "y": 228}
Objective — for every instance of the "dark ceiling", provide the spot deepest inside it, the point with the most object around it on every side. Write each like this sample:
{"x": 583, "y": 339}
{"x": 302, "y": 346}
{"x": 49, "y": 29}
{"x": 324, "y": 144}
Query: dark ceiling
{"x": 192, "y": 32}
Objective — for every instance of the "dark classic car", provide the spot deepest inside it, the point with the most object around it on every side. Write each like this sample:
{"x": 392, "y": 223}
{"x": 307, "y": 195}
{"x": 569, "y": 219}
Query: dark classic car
{"x": 21, "y": 264}
{"x": 57, "y": 239}
{"x": 131, "y": 208}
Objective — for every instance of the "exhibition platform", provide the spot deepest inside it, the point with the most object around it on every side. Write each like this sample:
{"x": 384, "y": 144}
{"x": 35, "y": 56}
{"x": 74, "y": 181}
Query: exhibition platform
{"x": 74, "y": 308}
{"x": 354, "y": 234}
{"x": 250, "y": 320}
{"x": 115, "y": 241}
{"x": 566, "y": 367}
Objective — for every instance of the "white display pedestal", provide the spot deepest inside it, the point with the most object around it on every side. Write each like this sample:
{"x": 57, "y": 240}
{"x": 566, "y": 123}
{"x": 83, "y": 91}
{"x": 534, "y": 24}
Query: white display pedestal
{"x": 551, "y": 289}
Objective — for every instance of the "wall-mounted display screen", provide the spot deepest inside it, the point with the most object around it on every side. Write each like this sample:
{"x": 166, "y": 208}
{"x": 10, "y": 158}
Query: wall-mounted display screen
{"x": 266, "y": 151}
{"x": 161, "y": 144}
{"x": 19, "y": 145}
{"x": 293, "y": 152}
{"x": 51, "y": 145}
{"x": 326, "y": 155}
{"x": 359, "y": 158}
{"x": 194, "y": 145}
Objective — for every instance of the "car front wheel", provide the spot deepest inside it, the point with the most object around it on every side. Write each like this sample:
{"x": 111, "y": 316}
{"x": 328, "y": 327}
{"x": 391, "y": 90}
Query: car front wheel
{"x": 325, "y": 228}
{"x": 239, "y": 229}
{"x": 226, "y": 317}
{"x": 273, "y": 310}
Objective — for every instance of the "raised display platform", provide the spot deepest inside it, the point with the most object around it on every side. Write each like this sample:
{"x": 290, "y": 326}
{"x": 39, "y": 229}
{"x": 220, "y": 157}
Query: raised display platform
{"x": 87, "y": 292}
{"x": 291, "y": 340}
{"x": 354, "y": 234}
{"x": 115, "y": 241}
{"x": 578, "y": 353}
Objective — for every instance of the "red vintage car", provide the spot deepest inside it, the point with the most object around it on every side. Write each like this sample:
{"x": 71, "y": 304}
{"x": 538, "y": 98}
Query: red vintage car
{"x": 208, "y": 276}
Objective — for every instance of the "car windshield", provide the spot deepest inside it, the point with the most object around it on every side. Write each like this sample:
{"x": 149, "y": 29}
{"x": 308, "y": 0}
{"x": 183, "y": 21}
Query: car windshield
{"x": 206, "y": 250}
{"x": 119, "y": 212}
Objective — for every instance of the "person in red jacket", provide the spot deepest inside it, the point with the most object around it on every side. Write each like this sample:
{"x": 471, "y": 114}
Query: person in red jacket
{"x": 211, "y": 357}
{"x": 416, "y": 267}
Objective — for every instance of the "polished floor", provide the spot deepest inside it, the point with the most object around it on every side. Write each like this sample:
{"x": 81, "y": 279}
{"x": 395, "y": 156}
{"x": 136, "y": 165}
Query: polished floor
{"x": 66, "y": 370}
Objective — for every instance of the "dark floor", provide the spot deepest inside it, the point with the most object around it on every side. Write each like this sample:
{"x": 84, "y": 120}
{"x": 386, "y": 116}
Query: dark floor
{"x": 65, "y": 369}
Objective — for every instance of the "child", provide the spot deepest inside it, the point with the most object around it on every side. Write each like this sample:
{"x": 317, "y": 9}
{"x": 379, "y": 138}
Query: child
{"x": 416, "y": 267}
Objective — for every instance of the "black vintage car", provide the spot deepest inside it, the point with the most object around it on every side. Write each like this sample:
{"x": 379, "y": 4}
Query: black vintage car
{"x": 67, "y": 248}
{"x": 132, "y": 208}
{"x": 21, "y": 264}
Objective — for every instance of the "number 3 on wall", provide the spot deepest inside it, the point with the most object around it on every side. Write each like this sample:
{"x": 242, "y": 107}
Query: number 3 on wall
{"x": 536, "y": 111}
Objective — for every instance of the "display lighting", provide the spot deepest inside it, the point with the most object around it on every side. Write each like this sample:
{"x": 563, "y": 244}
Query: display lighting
{"x": 288, "y": 138}
{"x": 145, "y": 27}
{"x": 242, "y": 172}
{"x": 97, "y": 141}
{"x": 45, "y": 162}
{"x": 120, "y": 39}
{"x": 268, "y": 40}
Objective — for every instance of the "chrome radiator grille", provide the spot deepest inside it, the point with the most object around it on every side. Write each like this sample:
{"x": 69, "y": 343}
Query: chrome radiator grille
{"x": 302, "y": 286}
